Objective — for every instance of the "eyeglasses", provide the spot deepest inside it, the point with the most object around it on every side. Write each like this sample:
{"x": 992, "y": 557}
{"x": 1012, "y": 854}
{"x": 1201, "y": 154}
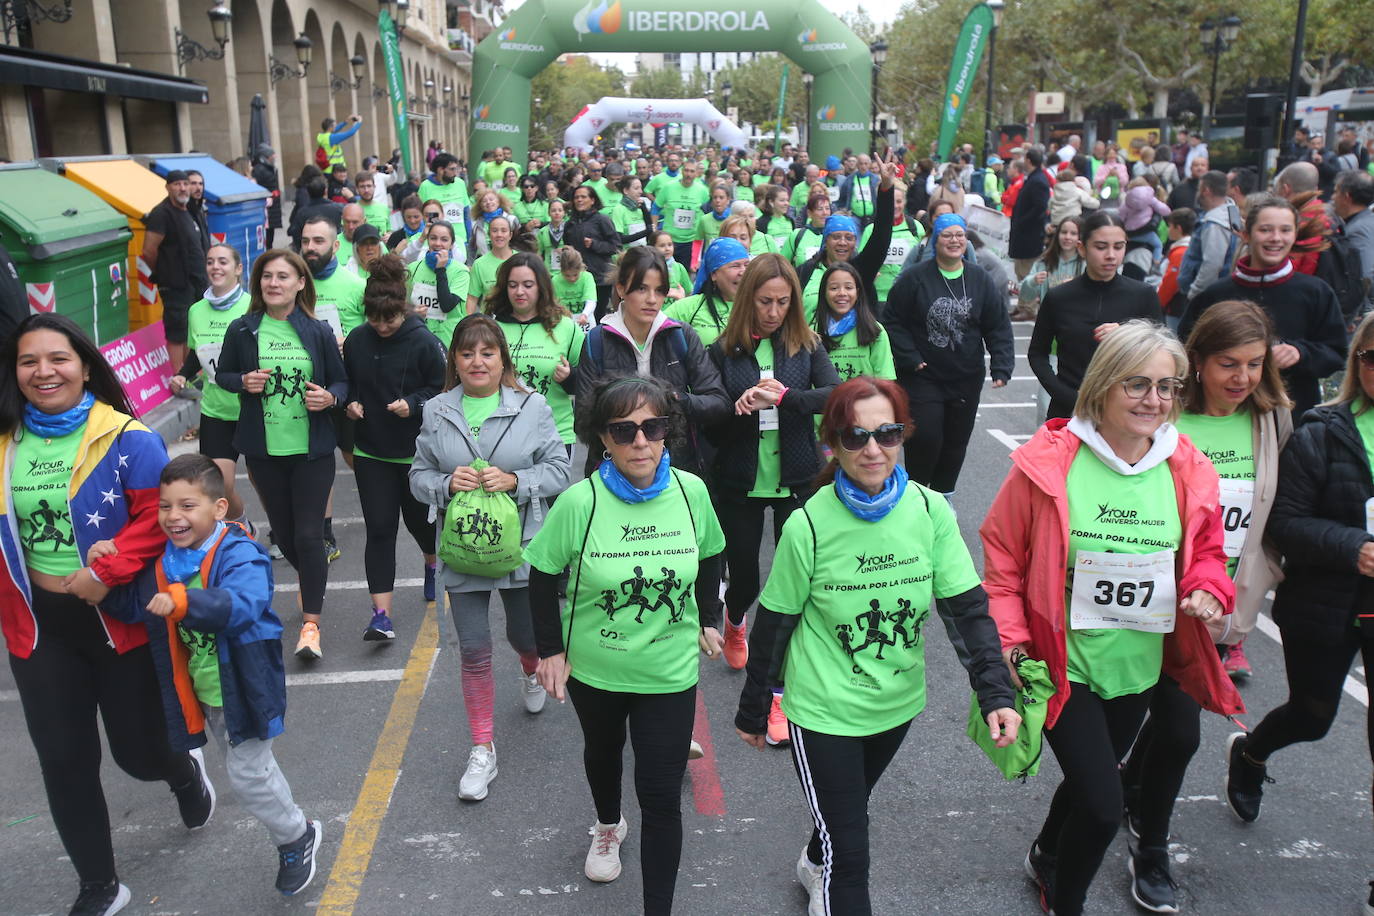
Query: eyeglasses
{"x": 623, "y": 432}
{"x": 889, "y": 435}
{"x": 1366, "y": 358}
{"x": 1137, "y": 386}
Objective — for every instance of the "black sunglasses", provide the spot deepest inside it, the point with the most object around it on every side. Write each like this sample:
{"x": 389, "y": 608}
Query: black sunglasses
{"x": 623, "y": 432}
{"x": 1366, "y": 357}
{"x": 889, "y": 435}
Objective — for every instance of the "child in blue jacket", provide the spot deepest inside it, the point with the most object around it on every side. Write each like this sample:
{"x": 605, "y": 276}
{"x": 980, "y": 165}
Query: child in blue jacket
{"x": 216, "y": 644}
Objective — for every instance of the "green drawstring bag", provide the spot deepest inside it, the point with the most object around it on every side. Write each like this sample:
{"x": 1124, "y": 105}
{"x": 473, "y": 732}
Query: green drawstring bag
{"x": 482, "y": 532}
{"x": 1021, "y": 758}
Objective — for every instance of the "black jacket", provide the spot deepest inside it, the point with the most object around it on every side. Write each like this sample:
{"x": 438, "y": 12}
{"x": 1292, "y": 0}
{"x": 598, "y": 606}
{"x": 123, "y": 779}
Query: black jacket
{"x": 945, "y": 324}
{"x": 181, "y": 255}
{"x": 1029, "y": 216}
{"x": 694, "y": 381}
{"x": 1318, "y": 521}
{"x": 605, "y": 244}
{"x": 409, "y": 366}
{"x": 265, "y": 174}
{"x": 868, "y": 261}
{"x": 809, "y": 376}
{"x": 316, "y": 206}
{"x": 240, "y": 355}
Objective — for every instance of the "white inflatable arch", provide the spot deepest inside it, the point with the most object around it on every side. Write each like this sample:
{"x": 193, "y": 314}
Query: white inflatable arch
{"x": 612, "y": 110}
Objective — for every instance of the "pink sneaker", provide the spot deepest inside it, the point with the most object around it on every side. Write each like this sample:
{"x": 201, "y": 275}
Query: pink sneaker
{"x": 1234, "y": 662}
{"x": 777, "y": 724}
{"x": 736, "y": 644}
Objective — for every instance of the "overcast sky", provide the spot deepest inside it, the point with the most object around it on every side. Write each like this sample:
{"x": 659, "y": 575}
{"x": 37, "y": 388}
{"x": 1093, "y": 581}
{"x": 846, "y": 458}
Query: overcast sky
{"x": 880, "y": 11}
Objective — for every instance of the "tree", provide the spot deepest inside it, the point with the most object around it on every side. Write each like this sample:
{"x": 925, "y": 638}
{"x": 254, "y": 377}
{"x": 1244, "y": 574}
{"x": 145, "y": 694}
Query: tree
{"x": 563, "y": 89}
{"x": 754, "y": 91}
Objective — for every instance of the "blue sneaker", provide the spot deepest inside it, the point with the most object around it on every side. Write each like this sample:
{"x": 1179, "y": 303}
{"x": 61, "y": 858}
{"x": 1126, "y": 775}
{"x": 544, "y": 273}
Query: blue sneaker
{"x": 380, "y": 628}
{"x": 296, "y": 867}
{"x": 431, "y": 573}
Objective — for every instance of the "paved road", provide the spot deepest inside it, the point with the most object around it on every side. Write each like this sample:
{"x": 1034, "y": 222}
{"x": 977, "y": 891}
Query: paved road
{"x": 377, "y": 739}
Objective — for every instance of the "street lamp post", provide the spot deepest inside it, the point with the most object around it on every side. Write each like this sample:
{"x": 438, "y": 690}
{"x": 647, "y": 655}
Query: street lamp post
{"x": 1216, "y": 41}
{"x": 188, "y": 49}
{"x": 807, "y": 80}
{"x": 997, "y": 7}
{"x": 879, "y": 51}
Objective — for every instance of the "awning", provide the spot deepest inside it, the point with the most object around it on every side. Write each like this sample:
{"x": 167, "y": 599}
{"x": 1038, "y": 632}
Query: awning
{"x": 55, "y": 71}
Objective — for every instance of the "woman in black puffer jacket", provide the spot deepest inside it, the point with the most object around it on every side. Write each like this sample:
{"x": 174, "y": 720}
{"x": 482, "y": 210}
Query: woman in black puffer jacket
{"x": 1325, "y": 605}
{"x": 778, "y": 376}
{"x": 592, "y": 234}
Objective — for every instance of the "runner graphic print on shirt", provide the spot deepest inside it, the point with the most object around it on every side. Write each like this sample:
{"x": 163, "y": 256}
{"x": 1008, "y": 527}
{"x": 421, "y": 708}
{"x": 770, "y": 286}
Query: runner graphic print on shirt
{"x": 45, "y": 524}
{"x": 633, "y": 591}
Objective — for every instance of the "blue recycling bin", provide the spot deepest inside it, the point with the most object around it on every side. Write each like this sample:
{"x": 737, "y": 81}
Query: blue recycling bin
{"x": 236, "y": 207}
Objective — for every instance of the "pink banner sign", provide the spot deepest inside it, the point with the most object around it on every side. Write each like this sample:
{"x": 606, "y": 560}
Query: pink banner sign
{"x": 141, "y": 363}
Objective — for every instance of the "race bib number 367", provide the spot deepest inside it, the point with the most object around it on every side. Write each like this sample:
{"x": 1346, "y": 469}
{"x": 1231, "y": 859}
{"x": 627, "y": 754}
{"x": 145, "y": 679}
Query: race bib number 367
{"x": 1124, "y": 591}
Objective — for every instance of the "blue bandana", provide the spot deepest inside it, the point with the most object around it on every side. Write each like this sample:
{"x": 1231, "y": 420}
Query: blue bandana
{"x": 52, "y": 425}
{"x": 411, "y": 233}
{"x": 182, "y": 564}
{"x": 841, "y": 327}
{"x": 871, "y": 508}
{"x": 432, "y": 259}
{"x": 945, "y": 220}
{"x": 327, "y": 270}
{"x": 717, "y": 254}
{"x": 840, "y": 223}
{"x": 617, "y": 483}
{"x": 493, "y": 214}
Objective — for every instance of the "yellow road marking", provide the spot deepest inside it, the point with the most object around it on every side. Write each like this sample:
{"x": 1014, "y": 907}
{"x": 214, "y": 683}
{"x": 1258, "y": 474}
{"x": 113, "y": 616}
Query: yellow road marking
{"x": 355, "y": 851}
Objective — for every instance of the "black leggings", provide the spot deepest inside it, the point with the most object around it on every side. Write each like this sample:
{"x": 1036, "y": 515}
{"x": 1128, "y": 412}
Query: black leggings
{"x": 837, "y": 776}
{"x": 943, "y": 414}
{"x": 1089, "y": 739}
{"x": 1160, "y": 758}
{"x": 294, "y": 491}
{"x": 741, "y": 517}
{"x": 660, "y": 728}
{"x": 70, "y": 674}
{"x": 1316, "y": 676}
{"x": 384, "y": 492}
{"x": 603, "y": 301}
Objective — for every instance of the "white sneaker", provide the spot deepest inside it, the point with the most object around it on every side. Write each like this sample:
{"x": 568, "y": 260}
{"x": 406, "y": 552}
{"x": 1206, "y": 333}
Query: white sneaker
{"x": 603, "y": 859}
{"x": 812, "y": 877}
{"x": 694, "y": 750}
{"x": 480, "y": 772}
{"x": 533, "y": 693}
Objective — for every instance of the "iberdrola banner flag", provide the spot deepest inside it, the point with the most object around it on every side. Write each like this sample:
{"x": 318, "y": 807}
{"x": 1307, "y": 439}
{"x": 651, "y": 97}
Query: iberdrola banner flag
{"x": 968, "y": 54}
{"x": 396, "y": 84}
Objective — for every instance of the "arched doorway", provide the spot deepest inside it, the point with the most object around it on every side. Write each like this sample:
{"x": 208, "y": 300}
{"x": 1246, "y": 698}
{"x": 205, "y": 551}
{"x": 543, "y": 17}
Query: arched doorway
{"x": 293, "y": 144}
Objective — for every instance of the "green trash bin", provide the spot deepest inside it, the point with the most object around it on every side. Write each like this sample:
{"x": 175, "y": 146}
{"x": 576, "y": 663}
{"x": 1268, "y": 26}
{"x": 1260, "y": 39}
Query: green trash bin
{"x": 71, "y": 248}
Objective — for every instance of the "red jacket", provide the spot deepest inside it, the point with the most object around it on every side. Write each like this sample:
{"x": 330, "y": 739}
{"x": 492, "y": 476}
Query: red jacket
{"x": 1025, "y": 555}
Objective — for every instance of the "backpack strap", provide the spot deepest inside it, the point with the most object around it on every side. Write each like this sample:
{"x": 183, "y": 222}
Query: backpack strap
{"x": 677, "y": 339}
{"x": 686, "y": 501}
{"x": 594, "y": 350}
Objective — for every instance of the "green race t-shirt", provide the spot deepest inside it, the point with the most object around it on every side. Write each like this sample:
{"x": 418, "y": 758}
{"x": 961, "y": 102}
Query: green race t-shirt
{"x": 476, "y": 411}
{"x": 378, "y": 214}
{"x": 631, "y": 624}
{"x": 1229, "y": 443}
{"x": 856, "y": 662}
{"x": 762, "y": 243}
{"x": 574, "y": 295}
{"x": 39, "y": 478}
{"x": 339, "y": 300}
{"x": 549, "y": 248}
{"x": 811, "y": 296}
{"x": 454, "y": 197}
{"x": 203, "y": 661}
{"x": 694, "y": 311}
{"x": 852, "y": 359}
{"x": 768, "y": 476}
{"x": 628, "y": 221}
{"x": 205, "y": 327}
{"x": 535, "y": 353}
{"x": 1112, "y": 512}
{"x": 484, "y": 275}
{"x": 422, "y": 284}
{"x": 861, "y": 195}
{"x": 1365, "y": 424}
{"x": 897, "y": 250}
{"x": 802, "y": 245}
{"x": 680, "y": 208}
{"x": 357, "y": 452}
{"x": 708, "y": 227}
{"x": 678, "y": 276}
{"x": 285, "y": 420}
{"x": 527, "y": 210}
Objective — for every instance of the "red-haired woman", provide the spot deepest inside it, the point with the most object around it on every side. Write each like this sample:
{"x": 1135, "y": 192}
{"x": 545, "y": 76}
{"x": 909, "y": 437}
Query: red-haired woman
{"x": 855, "y": 682}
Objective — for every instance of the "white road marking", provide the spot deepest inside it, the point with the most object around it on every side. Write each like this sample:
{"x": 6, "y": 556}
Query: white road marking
{"x": 317, "y": 678}
{"x": 348, "y": 586}
{"x": 1011, "y": 442}
{"x": 1006, "y": 404}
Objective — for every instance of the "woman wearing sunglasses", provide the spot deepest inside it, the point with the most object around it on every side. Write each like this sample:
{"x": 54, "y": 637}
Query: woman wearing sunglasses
{"x": 1133, "y": 508}
{"x": 485, "y": 413}
{"x": 848, "y": 642}
{"x": 531, "y": 210}
{"x": 644, "y": 546}
{"x": 1235, "y": 411}
{"x": 778, "y": 375}
{"x": 1321, "y": 523}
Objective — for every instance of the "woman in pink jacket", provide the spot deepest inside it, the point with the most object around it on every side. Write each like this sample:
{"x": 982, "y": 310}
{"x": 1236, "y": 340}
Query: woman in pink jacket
{"x": 1103, "y": 557}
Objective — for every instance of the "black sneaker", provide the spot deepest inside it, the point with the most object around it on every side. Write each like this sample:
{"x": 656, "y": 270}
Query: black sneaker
{"x": 297, "y": 859}
{"x": 1244, "y": 780}
{"x": 1369, "y": 904}
{"x": 196, "y": 799}
{"x": 331, "y": 550}
{"x": 1132, "y": 812}
{"x": 1040, "y": 869}
{"x": 1151, "y": 884}
{"x": 100, "y": 899}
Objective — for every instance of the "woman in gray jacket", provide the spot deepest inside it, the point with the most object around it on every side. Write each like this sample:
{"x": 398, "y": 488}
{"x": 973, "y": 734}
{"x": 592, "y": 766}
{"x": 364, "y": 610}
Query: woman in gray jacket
{"x": 484, "y": 413}
{"x": 1236, "y": 412}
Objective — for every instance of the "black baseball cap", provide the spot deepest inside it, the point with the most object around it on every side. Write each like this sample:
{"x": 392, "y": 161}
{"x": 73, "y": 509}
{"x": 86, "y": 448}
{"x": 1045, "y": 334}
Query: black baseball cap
{"x": 366, "y": 233}
{"x": 177, "y": 175}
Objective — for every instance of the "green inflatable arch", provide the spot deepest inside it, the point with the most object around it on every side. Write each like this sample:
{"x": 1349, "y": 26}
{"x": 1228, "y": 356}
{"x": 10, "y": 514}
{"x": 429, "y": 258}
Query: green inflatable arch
{"x": 540, "y": 30}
